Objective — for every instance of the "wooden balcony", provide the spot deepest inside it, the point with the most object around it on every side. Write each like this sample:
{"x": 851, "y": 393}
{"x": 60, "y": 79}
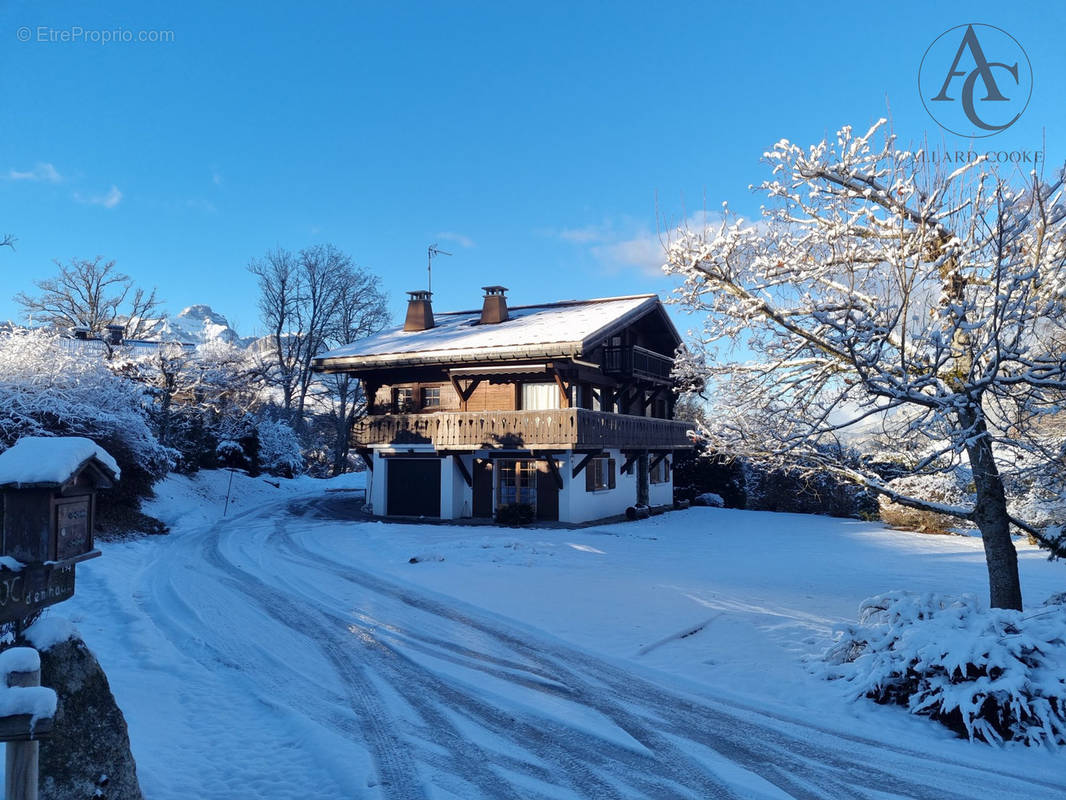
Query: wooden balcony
{"x": 562, "y": 429}
{"x": 637, "y": 362}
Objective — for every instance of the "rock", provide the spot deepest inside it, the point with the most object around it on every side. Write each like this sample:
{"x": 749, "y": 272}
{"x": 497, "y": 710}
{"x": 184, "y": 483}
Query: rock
{"x": 88, "y": 756}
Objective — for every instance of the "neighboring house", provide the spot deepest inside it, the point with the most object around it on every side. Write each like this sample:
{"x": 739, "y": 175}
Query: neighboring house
{"x": 563, "y": 406}
{"x": 81, "y": 341}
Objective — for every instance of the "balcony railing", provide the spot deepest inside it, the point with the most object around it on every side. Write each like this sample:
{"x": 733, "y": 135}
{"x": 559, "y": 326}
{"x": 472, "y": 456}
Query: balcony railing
{"x": 638, "y": 362}
{"x": 566, "y": 428}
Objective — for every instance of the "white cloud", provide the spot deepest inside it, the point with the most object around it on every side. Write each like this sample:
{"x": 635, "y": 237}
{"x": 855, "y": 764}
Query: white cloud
{"x": 108, "y": 200}
{"x": 458, "y": 238}
{"x": 42, "y": 171}
{"x": 629, "y": 244}
{"x": 645, "y": 252}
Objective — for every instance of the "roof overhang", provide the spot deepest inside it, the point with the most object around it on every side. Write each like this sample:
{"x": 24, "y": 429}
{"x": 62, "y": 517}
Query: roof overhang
{"x": 447, "y": 357}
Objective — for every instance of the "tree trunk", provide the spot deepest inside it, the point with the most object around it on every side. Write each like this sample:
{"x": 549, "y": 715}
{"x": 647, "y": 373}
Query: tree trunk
{"x": 990, "y": 514}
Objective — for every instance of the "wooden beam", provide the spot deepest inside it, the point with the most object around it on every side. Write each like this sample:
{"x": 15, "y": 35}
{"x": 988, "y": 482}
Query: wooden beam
{"x": 631, "y": 459}
{"x": 370, "y": 392}
{"x": 367, "y": 455}
{"x": 652, "y": 397}
{"x": 464, "y": 471}
{"x": 585, "y": 462}
{"x": 464, "y": 394}
{"x": 564, "y": 393}
{"x": 655, "y": 461}
{"x": 553, "y": 468}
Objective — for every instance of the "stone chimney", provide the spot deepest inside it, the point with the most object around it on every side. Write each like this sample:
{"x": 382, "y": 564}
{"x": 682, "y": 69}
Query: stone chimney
{"x": 114, "y": 334}
{"x": 494, "y": 309}
{"x": 419, "y": 312}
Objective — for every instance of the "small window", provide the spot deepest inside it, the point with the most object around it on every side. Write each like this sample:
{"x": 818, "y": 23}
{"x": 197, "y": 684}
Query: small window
{"x": 516, "y": 483}
{"x": 403, "y": 399}
{"x": 660, "y": 473}
{"x": 599, "y": 474}
{"x": 431, "y": 397}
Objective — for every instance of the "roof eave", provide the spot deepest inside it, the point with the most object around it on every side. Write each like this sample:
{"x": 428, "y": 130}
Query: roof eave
{"x": 392, "y": 360}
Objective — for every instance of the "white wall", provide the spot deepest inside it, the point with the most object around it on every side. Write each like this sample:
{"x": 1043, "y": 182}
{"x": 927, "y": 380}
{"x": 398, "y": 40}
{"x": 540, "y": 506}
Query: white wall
{"x": 577, "y": 505}
{"x": 375, "y": 492}
{"x": 462, "y": 496}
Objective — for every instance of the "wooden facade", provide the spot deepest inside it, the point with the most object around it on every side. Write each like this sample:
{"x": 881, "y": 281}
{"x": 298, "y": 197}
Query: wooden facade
{"x": 487, "y": 406}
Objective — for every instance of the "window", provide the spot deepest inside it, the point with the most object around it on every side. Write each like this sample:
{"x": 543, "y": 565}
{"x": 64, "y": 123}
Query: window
{"x": 538, "y": 396}
{"x": 516, "y": 482}
{"x": 431, "y": 397}
{"x": 403, "y": 399}
{"x": 660, "y": 473}
{"x": 599, "y": 474}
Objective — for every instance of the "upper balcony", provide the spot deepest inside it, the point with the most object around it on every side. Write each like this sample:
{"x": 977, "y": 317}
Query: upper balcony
{"x": 637, "y": 362}
{"x": 558, "y": 429}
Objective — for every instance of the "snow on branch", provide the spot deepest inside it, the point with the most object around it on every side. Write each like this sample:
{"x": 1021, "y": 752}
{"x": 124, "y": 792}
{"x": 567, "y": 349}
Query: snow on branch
{"x": 880, "y": 296}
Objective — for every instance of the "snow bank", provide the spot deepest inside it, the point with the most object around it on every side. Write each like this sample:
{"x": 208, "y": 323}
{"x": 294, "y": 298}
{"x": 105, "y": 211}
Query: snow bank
{"x": 48, "y": 631}
{"x": 990, "y": 674}
{"x": 49, "y": 459}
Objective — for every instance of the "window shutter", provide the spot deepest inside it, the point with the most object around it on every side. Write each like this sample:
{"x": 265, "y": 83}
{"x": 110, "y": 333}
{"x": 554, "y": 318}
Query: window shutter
{"x": 590, "y": 476}
{"x": 610, "y": 473}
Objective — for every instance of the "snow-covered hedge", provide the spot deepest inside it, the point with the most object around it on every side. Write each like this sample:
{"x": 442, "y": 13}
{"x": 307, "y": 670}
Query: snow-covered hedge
{"x": 989, "y": 674}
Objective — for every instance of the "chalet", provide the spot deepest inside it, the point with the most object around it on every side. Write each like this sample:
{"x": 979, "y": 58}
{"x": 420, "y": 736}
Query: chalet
{"x": 563, "y": 407}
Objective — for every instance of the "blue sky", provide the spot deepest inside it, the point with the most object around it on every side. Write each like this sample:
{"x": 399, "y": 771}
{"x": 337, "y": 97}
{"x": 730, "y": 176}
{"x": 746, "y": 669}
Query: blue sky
{"x": 542, "y": 144}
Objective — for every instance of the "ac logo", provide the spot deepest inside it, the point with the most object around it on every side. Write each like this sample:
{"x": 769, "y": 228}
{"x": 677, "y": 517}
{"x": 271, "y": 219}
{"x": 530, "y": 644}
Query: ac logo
{"x": 975, "y": 80}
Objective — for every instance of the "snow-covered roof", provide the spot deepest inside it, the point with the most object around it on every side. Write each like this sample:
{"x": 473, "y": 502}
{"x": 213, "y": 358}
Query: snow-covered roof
{"x": 50, "y": 460}
{"x": 563, "y": 329}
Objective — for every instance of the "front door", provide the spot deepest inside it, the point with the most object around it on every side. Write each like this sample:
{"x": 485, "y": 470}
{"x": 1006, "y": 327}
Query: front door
{"x": 547, "y": 493}
{"x": 482, "y": 487}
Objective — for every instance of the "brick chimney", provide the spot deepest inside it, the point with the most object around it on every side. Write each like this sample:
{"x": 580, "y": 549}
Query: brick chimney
{"x": 494, "y": 309}
{"x": 419, "y": 312}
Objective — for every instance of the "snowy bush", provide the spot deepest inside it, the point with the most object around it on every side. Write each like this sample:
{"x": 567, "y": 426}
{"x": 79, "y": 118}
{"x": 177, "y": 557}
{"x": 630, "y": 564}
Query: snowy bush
{"x": 279, "y": 448}
{"x": 48, "y": 389}
{"x": 950, "y": 488}
{"x": 709, "y": 499}
{"x": 992, "y": 675}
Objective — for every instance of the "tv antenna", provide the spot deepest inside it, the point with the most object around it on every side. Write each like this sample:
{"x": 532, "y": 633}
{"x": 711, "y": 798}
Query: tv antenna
{"x": 431, "y": 251}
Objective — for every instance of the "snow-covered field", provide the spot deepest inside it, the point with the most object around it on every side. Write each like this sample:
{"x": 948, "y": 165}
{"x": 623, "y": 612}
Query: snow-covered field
{"x": 286, "y": 652}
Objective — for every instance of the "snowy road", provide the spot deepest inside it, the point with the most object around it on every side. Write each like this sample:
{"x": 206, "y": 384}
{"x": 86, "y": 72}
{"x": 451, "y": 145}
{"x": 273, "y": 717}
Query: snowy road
{"x": 377, "y": 688}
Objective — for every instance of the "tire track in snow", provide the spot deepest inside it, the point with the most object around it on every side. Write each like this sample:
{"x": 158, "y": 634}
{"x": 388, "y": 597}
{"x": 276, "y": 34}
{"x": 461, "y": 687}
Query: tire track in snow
{"x": 766, "y": 749}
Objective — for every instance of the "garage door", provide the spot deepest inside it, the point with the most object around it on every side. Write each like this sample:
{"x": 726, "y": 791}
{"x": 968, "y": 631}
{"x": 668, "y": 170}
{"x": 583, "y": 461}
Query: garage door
{"x": 413, "y": 487}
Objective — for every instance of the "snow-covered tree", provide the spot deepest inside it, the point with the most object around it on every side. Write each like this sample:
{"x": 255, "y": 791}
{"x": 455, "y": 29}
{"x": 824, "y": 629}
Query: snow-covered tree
{"x": 878, "y": 293}
{"x": 90, "y": 293}
{"x": 48, "y": 389}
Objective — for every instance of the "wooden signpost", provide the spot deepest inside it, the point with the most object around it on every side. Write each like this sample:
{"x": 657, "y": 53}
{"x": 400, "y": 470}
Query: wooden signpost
{"x": 47, "y": 507}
